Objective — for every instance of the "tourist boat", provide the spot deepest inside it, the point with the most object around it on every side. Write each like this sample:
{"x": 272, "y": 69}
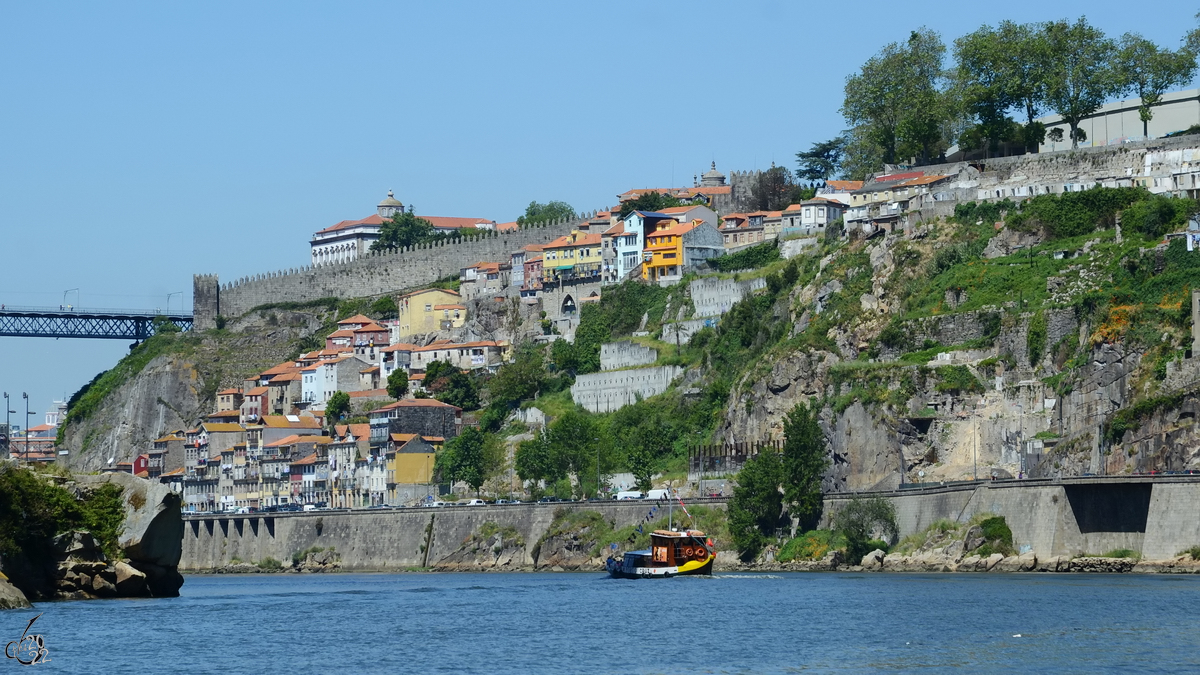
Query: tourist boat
{"x": 671, "y": 553}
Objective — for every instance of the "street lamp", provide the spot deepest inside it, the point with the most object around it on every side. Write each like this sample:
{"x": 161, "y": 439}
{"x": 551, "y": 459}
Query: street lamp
{"x": 25, "y": 396}
{"x": 7, "y": 424}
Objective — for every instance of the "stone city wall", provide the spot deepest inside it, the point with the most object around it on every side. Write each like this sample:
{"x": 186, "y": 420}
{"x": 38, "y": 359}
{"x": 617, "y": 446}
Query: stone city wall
{"x": 372, "y": 275}
{"x": 608, "y": 391}
{"x": 375, "y": 540}
{"x": 625, "y": 354}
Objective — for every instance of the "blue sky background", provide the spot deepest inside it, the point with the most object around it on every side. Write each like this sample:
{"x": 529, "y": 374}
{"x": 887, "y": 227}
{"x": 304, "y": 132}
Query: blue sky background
{"x": 143, "y": 142}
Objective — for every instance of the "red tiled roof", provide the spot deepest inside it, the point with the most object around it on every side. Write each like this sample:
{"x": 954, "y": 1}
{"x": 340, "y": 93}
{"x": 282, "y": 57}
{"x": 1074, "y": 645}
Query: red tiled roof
{"x": 257, "y": 391}
{"x": 373, "y": 219}
{"x": 225, "y": 392}
{"x": 311, "y": 459}
{"x": 844, "y": 185}
{"x": 417, "y": 403}
{"x": 429, "y": 290}
{"x": 508, "y": 227}
{"x": 357, "y": 318}
{"x": 450, "y": 223}
{"x": 282, "y": 422}
{"x": 399, "y": 347}
{"x": 367, "y": 393}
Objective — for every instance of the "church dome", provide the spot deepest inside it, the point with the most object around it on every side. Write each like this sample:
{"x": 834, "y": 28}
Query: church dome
{"x": 390, "y": 206}
{"x": 712, "y": 177}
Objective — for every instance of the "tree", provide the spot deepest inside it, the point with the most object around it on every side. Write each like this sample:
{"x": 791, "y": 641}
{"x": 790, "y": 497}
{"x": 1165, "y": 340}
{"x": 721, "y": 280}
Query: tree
{"x": 649, "y": 201}
{"x": 981, "y": 78}
{"x": 397, "y": 383}
{"x": 860, "y": 520}
{"x": 757, "y": 503}
{"x": 772, "y": 190}
{"x": 1081, "y": 76}
{"x": 1026, "y": 71}
{"x": 450, "y": 385}
{"x": 896, "y": 100}
{"x": 537, "y": 461}
{"x": 822, "y": 161}
{"x": 576, "y": 442}
{"x": 1146, "y": 70}
{"x": 804, "y": 462}
{"x": 521, "y": 379}
{"x": 403, "y": 230}
{"x": 472, "y": 457}
{"x": 336, "y": 407}
{"x": 543, "y": 213}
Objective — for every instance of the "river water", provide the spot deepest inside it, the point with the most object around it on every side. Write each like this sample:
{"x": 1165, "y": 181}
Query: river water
{"x": 586, "y": 623}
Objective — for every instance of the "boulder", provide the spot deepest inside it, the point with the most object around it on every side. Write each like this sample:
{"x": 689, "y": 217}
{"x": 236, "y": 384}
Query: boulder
{"x": 993, "y": 560}
{"x": 153, "y": 528}
{"x": 1009, "y": 564}
{"x": 969, "y": 563}
{"x": 973, "y": 539}
{"x": 162, "y": 582}
{"x": 1028, "y": 562}
{"x": 833, "y": 559}
{"x": 873, "y": 560}
{"x": 80, "y": 545}
{"x": 130, "y": 581}
{"x": 11, "y": 597}
{"x": 103, "y": 587}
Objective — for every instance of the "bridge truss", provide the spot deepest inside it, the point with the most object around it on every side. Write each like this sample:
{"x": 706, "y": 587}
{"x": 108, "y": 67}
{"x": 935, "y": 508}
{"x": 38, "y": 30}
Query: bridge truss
{"x": 109, "y": 324}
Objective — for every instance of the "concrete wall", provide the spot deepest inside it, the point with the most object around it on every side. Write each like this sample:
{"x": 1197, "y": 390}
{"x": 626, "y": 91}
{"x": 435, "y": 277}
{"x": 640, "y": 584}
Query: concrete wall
{"x": 374, "y": 539}
{"x": 625, "y": 354}
{"x": 371, "y": 275}
{"x": 1156, "y": 518}
{"x": 608, "y": 391}
{"x": 713, "y": 296}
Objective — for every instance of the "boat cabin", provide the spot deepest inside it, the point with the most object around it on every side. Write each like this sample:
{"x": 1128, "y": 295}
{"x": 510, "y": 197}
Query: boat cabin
{"x": 671, "y": 548}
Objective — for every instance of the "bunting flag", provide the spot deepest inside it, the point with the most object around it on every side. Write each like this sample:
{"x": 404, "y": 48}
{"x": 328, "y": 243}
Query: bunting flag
{"x": 684, "y": 508}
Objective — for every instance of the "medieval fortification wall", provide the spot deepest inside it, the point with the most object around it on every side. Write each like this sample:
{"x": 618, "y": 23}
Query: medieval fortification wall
{"x": 370, "y": 275}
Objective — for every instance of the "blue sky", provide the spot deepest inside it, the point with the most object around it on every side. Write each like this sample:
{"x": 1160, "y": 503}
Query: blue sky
{"x": 145, "y": 142}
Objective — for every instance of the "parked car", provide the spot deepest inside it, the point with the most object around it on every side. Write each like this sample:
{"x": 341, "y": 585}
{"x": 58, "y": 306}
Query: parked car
{"x": 629, "y": 494}
{"x": 475, "y": 502}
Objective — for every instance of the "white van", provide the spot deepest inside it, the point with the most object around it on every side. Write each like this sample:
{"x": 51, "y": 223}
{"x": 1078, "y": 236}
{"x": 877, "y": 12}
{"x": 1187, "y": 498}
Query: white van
{"x": 310, "y": 507}
{"x": 628, "y": 494}
{"x": 476, "y": 502}
{"x": 659, "y": 494}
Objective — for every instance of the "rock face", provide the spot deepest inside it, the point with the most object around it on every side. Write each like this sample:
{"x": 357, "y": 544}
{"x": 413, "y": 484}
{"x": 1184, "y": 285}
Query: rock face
{"x": 153, "y": 534}
{"x": 567, "y": 551}
{"x": 165, "y": 395}
{"x": 11, "y": 597}
{"x": 490, "y": 549}
{"x": 320, "y": 561}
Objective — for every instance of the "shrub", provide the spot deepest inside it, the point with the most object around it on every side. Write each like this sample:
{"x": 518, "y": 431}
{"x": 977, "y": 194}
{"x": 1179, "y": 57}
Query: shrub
{"x": 862, "y": 518}
{"x": 957, "y": 380}
{"x": 756, "y": 256}
{"x": 1035, "y": 339}
{"x": 270, "y": 564}
{"x": 1123, "y": 553}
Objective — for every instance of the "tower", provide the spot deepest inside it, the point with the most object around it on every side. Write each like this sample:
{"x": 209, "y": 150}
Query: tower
{"x": 390, "y": 206}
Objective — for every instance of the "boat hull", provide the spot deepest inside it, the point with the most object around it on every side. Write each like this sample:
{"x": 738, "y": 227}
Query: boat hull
{"x": 618, "y": 570}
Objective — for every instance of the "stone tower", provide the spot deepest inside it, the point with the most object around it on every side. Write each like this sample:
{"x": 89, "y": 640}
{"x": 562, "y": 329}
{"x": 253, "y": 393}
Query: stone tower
{"x": 390, "y": 206}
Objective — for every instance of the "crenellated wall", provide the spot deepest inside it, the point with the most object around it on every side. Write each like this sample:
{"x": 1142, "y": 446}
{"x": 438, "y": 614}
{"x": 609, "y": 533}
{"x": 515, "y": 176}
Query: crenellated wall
{"x": 371, "y": 275}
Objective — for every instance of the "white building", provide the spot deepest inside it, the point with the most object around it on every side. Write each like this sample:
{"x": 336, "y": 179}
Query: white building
{"x": 351, "y": 239}
{"x": 320, "y": 380}
{"x": 1119, "y": 122}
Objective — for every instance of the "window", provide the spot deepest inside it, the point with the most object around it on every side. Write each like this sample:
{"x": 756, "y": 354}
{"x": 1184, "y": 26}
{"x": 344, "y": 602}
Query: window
{"x": 428, "y": 308}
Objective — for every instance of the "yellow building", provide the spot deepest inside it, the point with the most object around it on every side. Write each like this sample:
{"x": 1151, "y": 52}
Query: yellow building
{"x": 410, "y": 460}
{"x": 430, "y": 310}
{"x": 663, "y": 256}
{"x": 574, "y": 256}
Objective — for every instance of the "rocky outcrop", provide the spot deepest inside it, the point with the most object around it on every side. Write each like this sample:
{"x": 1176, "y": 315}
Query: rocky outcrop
{"x": 152, "y": 537}
{"x": 11, "y": 597}
{"x": 492, "y": 548}
{"x": 326, "y": 560}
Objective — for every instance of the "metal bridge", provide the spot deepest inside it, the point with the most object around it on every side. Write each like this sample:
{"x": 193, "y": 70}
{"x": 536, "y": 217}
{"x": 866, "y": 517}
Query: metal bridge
{"x": 112, "y": 324}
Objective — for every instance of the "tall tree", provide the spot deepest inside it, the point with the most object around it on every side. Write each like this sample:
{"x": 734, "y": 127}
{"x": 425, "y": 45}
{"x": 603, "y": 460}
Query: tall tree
{"x": 897, "y": 99}
{"x": 537, "y": 461}
{"x": 773, "y": 189}
{"x": 403, "y": 230}
{"x": 397, "y": 383}
{"x": 472, "y": 457}
{"x": 1026, "y": 71}
{"x": 1081, "y": 76}
{"x": 521, "y": 379}
{"x": 757, "y": 504}
{"x": 1147, "y": 71}
{"x": 822, "y": 161}
{"x": 542, "y": 213}
{"x": 804, "y": 462}
{"x": 336, "y": 407}
{"x": 982, "y": 83}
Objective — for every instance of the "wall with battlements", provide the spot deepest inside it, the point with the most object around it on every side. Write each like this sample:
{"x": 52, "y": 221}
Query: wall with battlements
{"x": 372, "y": 275}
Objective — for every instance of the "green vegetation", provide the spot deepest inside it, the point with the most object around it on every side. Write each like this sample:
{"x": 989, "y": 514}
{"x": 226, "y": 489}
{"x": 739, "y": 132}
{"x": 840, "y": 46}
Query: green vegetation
{"x": 336, "y": 408}
{"x": 544, "y": 213}
{"x": 998, "y": 537}
{"x": 812, "y": 545}
{"x": 1123, "y": 553}
{"x": 397, "y": 383}
{"x": 270, "y": 564}
{"x": 471, "y": 456}
{"x": 957, "y": 380}
{"x": 299, "y": 556}
{"x": 860, "y": 519}
{"x": 648, "y": 201}
{"x": 450, "y": 385}
{"x": 33, "y": 509}
{"x": 754, "y": 257}
{"x": 1194, "y": 552}
{"x": 1131, "y": 418}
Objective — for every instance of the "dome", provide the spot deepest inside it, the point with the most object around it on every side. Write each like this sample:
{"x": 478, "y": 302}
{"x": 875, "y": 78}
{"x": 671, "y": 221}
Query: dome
{"x": 712, "y": 177}
{"x": 392, "y": 201}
